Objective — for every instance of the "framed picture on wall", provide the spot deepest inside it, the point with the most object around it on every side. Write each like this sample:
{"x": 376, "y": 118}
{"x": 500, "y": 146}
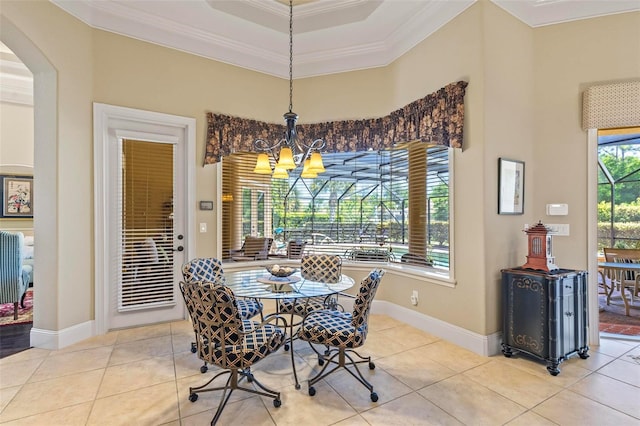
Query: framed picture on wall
{"x": 510, "y": 186}
{"x": 17, "y": 196}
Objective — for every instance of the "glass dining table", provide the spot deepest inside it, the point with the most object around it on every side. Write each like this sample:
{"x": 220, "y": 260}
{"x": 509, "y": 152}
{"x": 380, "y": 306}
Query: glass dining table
{"x": 260, "y": 284}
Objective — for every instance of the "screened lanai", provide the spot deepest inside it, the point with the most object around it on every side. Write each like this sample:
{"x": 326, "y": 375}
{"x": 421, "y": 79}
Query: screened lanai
{"x": 388, "y": 205}
{"x": 619, "y": 188}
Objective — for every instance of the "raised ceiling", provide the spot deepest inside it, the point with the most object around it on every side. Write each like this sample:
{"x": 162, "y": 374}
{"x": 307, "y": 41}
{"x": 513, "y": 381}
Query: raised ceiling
{"x": 330, "y": 36}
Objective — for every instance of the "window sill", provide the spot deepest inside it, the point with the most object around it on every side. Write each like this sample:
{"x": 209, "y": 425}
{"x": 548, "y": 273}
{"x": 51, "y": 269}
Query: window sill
{"x": 419, "y": 274}
{"x": 415, "y": 273}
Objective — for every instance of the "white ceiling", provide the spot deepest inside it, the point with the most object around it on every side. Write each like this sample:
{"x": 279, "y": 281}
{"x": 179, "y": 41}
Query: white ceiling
{"x": 329, "y": 36}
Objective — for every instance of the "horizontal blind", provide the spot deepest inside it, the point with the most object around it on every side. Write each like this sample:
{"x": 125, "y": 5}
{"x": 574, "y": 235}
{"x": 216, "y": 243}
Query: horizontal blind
{"x": 146, "y": 278}
{"x": 246, "y": 203}
{"x": 376, "y": 206}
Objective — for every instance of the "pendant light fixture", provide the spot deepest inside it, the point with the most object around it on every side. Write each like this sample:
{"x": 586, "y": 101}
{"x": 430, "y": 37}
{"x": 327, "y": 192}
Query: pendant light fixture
{"x": 289, "y": 153}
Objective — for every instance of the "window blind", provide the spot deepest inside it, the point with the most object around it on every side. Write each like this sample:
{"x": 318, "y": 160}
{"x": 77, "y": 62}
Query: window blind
{"x": 377, "y": 206}
{"x": 146, "y": 221}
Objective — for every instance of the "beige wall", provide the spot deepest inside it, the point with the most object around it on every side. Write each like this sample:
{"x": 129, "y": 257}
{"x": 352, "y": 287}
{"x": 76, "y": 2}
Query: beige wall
{"x": 16, "y": 150}
{"x": 522, "y": 102}
{"x": 568, "y": 59}
{"x": 16, "y": 134}
{"x": 65, "y": 228}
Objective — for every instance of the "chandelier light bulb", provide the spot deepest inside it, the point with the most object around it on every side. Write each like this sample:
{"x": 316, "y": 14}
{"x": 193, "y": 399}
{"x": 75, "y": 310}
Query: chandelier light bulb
{"x": 263, "y": 166}
{"x": 306, "y": 172}
{"x": 315, "y": 164}
{"x": 285, "y": 160}
{"x": 280, "y": 173}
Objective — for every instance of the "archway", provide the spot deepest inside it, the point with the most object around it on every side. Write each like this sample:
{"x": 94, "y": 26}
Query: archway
{"x": 45, "y": 179}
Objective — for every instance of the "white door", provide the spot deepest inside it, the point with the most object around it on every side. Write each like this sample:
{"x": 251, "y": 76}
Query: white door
{"x": 146, "y": 237}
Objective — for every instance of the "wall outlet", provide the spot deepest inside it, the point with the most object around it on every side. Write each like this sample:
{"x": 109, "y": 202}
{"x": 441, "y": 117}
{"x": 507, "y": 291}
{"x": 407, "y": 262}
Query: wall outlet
{"x": 414, "y": 297}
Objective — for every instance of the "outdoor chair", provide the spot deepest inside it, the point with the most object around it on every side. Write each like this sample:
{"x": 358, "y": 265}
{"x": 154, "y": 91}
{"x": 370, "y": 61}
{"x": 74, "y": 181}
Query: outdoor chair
{"x": 342, "y": 332}
{"x": 225, "y": 340}
{"x": 626, "y": 280}
{"x": 295, "y": 249}
{"x": 253, "y": 248}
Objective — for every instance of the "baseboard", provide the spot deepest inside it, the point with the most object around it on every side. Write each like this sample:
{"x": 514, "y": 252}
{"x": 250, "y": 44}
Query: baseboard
{"x": 58, "y": 339}
{"x": 478, "y": 343}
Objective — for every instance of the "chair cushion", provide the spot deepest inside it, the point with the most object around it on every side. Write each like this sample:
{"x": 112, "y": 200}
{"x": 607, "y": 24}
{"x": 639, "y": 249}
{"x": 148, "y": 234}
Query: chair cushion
{"x": 321, "y": 267}
{"x": 301, "y": 307}
{"x": 204, "y": 269}
{"x": 255, "y": 346}
{"x": 248, "y": 308}
{"x": 332, "y": 328}
{"x": 210, "y": 269}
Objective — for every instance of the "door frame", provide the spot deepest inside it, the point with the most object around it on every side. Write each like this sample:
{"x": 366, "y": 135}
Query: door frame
{"x": 592, "y": 236}
{"x": 104, "y": 117}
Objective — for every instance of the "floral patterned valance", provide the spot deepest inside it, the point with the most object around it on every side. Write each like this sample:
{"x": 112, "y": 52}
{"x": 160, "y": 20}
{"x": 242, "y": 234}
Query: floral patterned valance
{"x": 435, "y": 119}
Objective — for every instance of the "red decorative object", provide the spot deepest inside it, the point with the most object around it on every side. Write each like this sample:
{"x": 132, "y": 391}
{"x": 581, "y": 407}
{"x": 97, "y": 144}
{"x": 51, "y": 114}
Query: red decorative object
{"x": 539, "y": 257}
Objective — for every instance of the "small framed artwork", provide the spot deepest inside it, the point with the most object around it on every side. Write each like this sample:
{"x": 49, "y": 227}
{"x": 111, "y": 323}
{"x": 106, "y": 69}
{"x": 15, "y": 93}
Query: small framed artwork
{"x": 17, "y": 196}
{"x": 510, "y": 186}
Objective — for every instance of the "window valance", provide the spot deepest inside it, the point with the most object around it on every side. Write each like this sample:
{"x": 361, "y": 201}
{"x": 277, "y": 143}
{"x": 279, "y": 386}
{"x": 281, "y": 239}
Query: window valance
{"x": 611, "y": 105}
{"x": 435, "y": 119}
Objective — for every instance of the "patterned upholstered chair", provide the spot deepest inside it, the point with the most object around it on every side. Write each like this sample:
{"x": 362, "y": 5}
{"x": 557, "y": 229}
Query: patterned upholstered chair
{"x": 14, "y": 279}
{"x": 229, "y": 342}
{"x": 342, "y": 332}
{"x": 322, "y": 268}
{"x": 210, "y": 269}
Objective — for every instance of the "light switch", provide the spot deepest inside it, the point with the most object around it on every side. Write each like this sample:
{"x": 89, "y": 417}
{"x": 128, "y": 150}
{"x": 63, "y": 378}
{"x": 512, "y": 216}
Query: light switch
{"x": 203, "y": 227}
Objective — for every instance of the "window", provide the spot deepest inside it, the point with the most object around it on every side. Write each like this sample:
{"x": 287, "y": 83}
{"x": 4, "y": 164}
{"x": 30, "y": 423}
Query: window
{"x": 618, "y": 188}
{"x": 386, "y": 206}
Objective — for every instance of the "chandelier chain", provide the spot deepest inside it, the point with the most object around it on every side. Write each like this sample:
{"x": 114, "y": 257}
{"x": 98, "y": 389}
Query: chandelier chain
{"x": 290, "y": 55}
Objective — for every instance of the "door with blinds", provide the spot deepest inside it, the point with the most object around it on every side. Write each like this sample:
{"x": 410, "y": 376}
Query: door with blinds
{"x": 144, "y": 185}
{"x": 149, "y": 238}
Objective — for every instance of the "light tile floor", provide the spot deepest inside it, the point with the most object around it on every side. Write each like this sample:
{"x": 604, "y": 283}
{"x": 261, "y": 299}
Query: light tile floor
{"x": 141, "y": 376}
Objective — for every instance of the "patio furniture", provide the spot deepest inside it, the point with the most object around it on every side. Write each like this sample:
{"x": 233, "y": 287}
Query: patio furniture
{"x": 626, "y": 279}
{"x": 253, "y": 248}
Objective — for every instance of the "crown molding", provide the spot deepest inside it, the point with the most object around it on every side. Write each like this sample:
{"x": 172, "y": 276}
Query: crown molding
{"x": 374, "y": 34}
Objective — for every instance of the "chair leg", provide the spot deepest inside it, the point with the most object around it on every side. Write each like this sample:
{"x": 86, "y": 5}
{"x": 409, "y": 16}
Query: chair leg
{"x": 15, "y": 311}
{"x": 232, "y": 384}
{"x": 342, "y": 355}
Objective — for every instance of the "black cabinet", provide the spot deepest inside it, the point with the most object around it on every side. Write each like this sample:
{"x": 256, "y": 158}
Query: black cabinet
{"x": 545, "y": 314}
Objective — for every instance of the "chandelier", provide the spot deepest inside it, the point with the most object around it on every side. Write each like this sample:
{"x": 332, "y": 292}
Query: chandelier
{"x": 289, "y": 153}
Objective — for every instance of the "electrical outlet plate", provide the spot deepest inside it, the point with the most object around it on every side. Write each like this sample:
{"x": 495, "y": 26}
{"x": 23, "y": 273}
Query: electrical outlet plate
{"x": 558, "y": 229}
